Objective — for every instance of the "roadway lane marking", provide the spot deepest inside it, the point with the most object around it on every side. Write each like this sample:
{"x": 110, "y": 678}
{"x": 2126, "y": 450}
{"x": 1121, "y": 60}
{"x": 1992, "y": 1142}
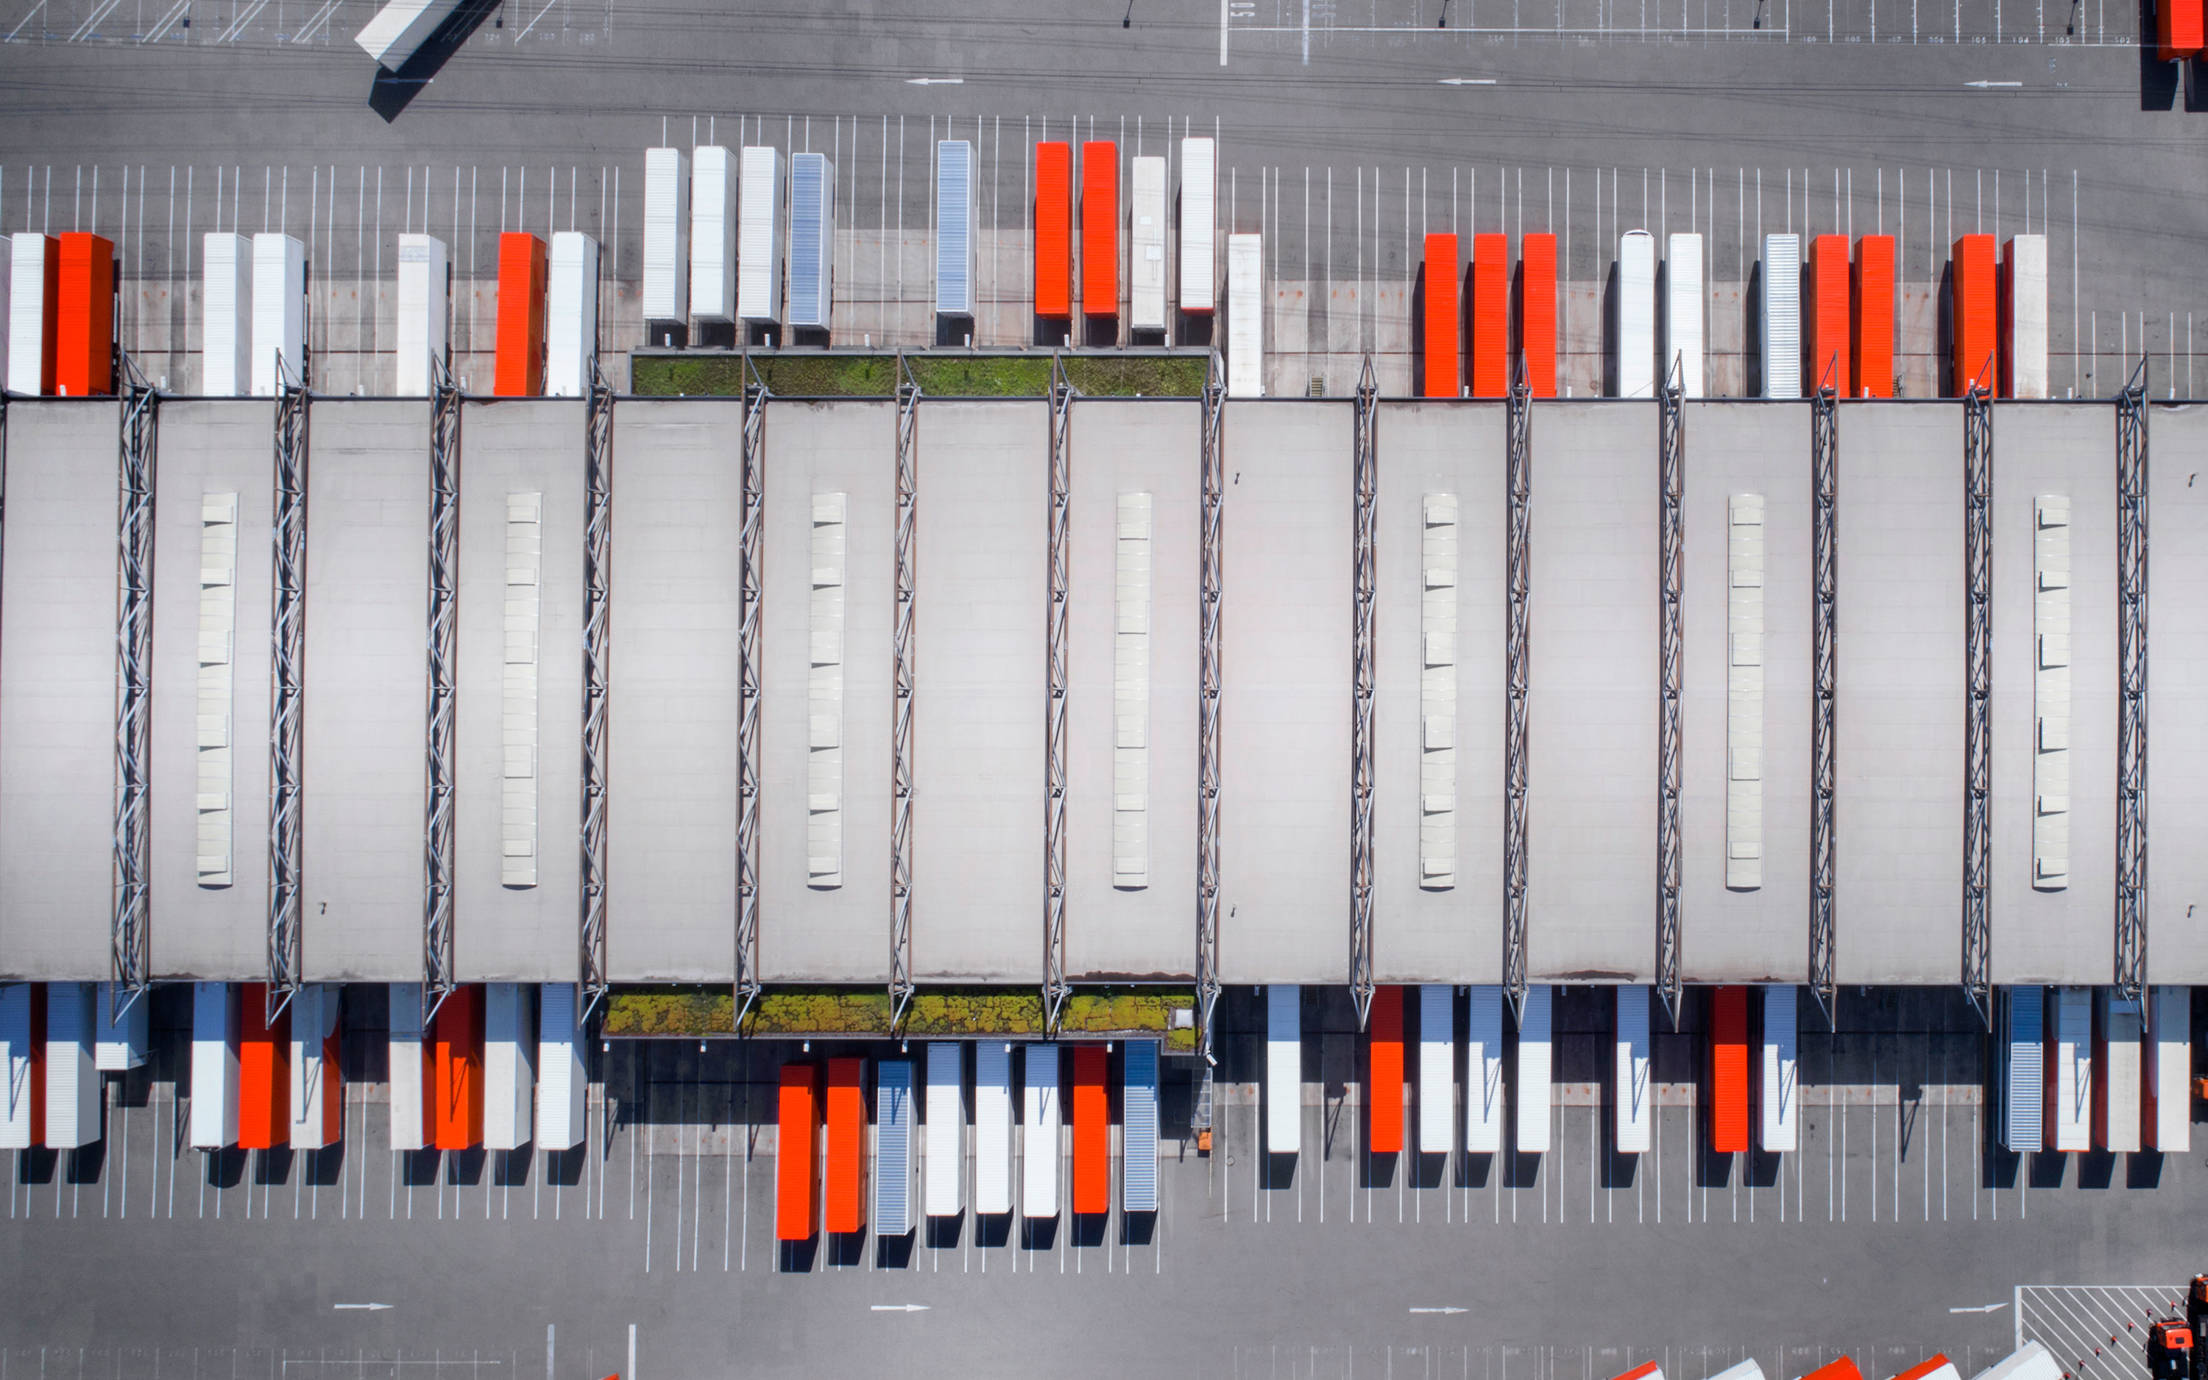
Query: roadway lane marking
{"x": 1223, "y": 4}
{"x": 364, "y": 1307}
{"x": 897, "y": 1308}
{"x": 1440, "y": 1310}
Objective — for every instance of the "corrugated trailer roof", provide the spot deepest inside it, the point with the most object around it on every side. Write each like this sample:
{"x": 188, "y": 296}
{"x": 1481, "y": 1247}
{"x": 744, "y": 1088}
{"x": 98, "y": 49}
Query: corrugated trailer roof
{"x": 1440, "y": 324}
{"x": 1490, "y": 334}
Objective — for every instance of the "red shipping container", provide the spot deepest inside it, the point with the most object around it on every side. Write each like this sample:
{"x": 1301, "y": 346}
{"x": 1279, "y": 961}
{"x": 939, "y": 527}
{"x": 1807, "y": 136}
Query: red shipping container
{"x": 84, "y": 327}
{"x": 1537, "y": 312}
{"x": 1874, "y": 317}
{"x": 455, "y": 1074}
{"x": 797, "y": 1155}
{"x": 1092, "y": 1133}
{"x": 1645, "y": 1368}
{"x": 1925, "y": 1367}
{"x": 1384, "y": 1072}
{"x": 264, "y": 1072}
{"x": 1054, "y": 229}
{"x": 1974, "y": 328}
{"x": 844, "y": 1204}
{"x": 1842, "y": 1369}
{"x": 1826, "y": 324}
{"x": 1440, "y": 335}
{"x": 1729, "y": 1070}
{"x": 50, "y": 296}
{"x": 2178, "y": 29}
{"x": 519, "y": 369}
{"x": 1100, "y": 228}
{"x": 1491, "y": 316}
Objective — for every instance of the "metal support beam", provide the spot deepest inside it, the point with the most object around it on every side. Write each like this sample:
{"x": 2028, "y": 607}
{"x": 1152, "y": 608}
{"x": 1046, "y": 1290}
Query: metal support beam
{"x": 900, "y": 725}
{"x": 444, "y": 657}
{"x": 1518, "y": 644}
{"x": 129, "y": 934}
{"x": 597, "y": 668}
{"x": 1214, "y": 482}
{"x": 749, "y": 658}
{"x": 1671, "y": 445}
{"x": 1978, "y": 702}
{"x": 1055, "y": 986}
{"x": 1365, "y": 562}
{"x": 1824, "y": 471}
{"x": 2131, "y": 688}
{"x": 287, "y": 684}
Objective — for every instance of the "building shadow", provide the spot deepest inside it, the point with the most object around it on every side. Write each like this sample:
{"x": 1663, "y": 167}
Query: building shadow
{"x": 392, "y": 92}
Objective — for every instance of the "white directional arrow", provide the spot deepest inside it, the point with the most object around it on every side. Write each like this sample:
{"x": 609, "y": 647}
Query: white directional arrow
{"x": 1467, "y": 81}
{"x": 898, "y": 1307}
{"x": 935, "y": 81}
{"x": 1981, "y": 1308}
{"x": 363, "y": 1307}
{"x": 1986, "y": 85}
{"x": 1439, "y": 1310}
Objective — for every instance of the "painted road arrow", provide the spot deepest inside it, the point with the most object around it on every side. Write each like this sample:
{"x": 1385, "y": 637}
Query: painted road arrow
{"x": 1467, "y": 81}
{"x": 898, "y": 1307}
{"x": 1986, "y": 85}
{"x": 1440, "y": 1310}
{"x": 935, "y": 81}
{"x": 1981, "y": 1308}
{"x": 363, "y": 1307}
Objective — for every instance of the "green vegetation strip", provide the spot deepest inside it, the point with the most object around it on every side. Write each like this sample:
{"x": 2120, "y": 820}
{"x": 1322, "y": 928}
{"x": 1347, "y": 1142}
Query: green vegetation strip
{"x": 691, "y": 1012}
{"x": 953, "y": 376}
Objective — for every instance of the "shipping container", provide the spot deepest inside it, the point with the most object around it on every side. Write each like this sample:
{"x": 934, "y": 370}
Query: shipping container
{"x": 946, "y": 1128}
{"x": 264, "y": 1071}
{"x": 843, "y": 1192}
{"x": 1744, "y": 1370}
{"x": 2070, "y": 1069}
{"x": 317, "y": 1090}
{"x": 23, "y": 1066}
{"x": 666, "y": 289}
{"x": 571, "y": 316}
{"x": 2023, "y": 334}
{"x": 412, "y": 1068}
{"x": 1646, "y": 1370}
{"x": 1245, "y": 316}
{"x": 7, "y": 273}
{"x": 84, "y": 324}
{"x": 992, "y": 1128}
{"x": 1488, "y": 340}
{"x": 759, "y": 239}
{"x": 424, "y": 312}
{"x": 2024, "y": 1070}
{"x": 812, "y": 239}
{"x": 518, "y": 370}
{"x": 34, "y": 296}
{"x": 1827, "y": 327}
{"x": 226, "y": 313}
{"x": 73, "y": 1090}
{"x": 1841, "y": 1369}
{"x": 1092, "y": 1132}
{"x": 1437, "y": 1068}
{"x": 1040, "y": 1121}
{"x": 1146, "y": 244}
{"x": 1935, "y": 1366}
{"x": 1138, "y": 1127}
{"x": 121, "y": 1015}
{"x": 1683, "y": 312}
{"x": 455, "y": 1073}
{"x": 1533, "y": 1071}
{"x": 1537, "y": 313}
{"x": 1484, "y": 1097}
{"x": 1729, "y": 1070}
{"x": 279, "y": 313}
{"x": 954, "y": 227}
{"x": 893, "y": 1147}
{"x": 796, "y": 1153}
{"x": 1283, "y": 1068}
{"x": 2167, "y": 1104}
{"x": 2116, "y": 1076}
{"x": 1778, "y": 1101}
{"x": 714, "y": 178}
{"x": 1635, "y": 1095}
{"x": 1199, "y": 285}
{"x": 1636, "y": 336}
{"x": 1054, "y": 230}
{"x": 2179, "y": 31}
{"x": 1442, "y": 319}
{"x": 1974, "y": 317}
{"x": 563, "y": 1080}
{"x": 214, "y": 1066}
{"x": 2029, "y": 1362}
{"x": 1384, "y": 1072}
{"x": 509, "y": 1064}
{"x": 400, "y": 28}
{"x": 1780, "y": 315}
{"x": 1872, "y": 368}
{"x": 1100, "y": 228}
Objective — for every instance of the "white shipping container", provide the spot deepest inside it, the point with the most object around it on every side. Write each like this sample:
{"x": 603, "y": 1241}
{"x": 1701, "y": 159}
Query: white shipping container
{"x": 226, "y": 314}
{"x": 214, "y": 1087}
{"x": 1146, "y": 244}
{"x": 1040, "y": 1139}
{"x": 121, "y": 1042}
{"x": 992, "y": 1128}
{"x": 2168, "y": 1113}
{"x": 2023, "y": 1071}
{"x": 1437, "y": 1067}
{"x": 1533, "y": 1071}
{"x": 1199, "y": 285}
{"x": 1780, "y": 314}
{"x": 946, "y": 1127}
{"x": 279, "y": 313}
{"x": 400, "y": 28}
{"x": 2031, "y": 1362}
{"x": 1245, "y": 316}
{"x": 2024, "y": 348}
{"x": 28, "y": 255}
{"x": 812, "y": 239}
{"x": 409, "y": 1122}
{"x": 1283, "y": 1068}
{"x": 7, "y": 275}
{"x": 954, "y": 227}
{"x": 509, "y": 1064}
{"x": 1630, "y": 1082}
{"x": 2070, "y": 1069}
{"x": 1636, "y": 340}
{"x": 759, "y": 247}
{"x": 666, "y": 289}
{"x": 2116, "y": 1083}
{"x": 72, "y": 1083}
{"x": 563, "y": 1081}
{"x": 1745, "y": 1370}
{"x": 893, "y": 1147}
{"x": 714, "y": 177}
{"x": 424, "y": 311}
{"x": 1683, "y": 314}
{"x": 314, "y": 1081}
{"x": 1484, "y": 1098}
{"x": 571, "y": 316}
{"x": 18, "y": 1066}
{"x": 1780, "y": 1104}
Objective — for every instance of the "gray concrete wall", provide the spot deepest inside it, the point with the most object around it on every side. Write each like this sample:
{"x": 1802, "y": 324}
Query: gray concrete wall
{"x": 57, "y": 690}
{"x": 1899, "y": 812}
{"x": 367, "y": 671}
{"x": 1591, "y": 835}
{"x": 518, "y": 933}
{"x": 201, "y": 931}
{"x": 1453, "y": 934}
{"x": 979, "y": 690}
{"x": 677, "y": 515}
{"x": 1284, "y": 797}
{"x": 2177, "y": 729}
{"x": 1762, "y": 934}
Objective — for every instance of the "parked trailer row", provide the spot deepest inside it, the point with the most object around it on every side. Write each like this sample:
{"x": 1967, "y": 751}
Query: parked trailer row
{"x": 2085, "y": 1069}
{"x": 1487, "y": 332}
{"x": 2029, "y": 1362}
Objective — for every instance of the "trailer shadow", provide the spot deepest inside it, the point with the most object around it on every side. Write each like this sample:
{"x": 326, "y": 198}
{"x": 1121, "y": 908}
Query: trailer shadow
{"x": 1618, "y": 1169}
{"x": 1137, "y": 1228}
{"x": 392, "y": 92}
{"x": 1762, "y": 1168}
{"x": 272, "y": 1167}
{"x": 225, "y": 1168}
{"x": 2096, "y": 1169}
{"x": 2048, "y": 1168}
{"x": 512, "y": 1167}
{"x": 893, "y": 1252}
{"x": 1474, "y": 1167}
{"x": 1038, "y": 1233}
{"x": 1521, "y": 1169}
{"x": 2143, "y": 1169}
{"x": 846, "y": 1248}
{"x": 992, "y": 1229}
{"x": 1429, "y": 1170}
{"x": 564, "y": 1168}
{"x": 1277, "y": 1170}
{"x": 944, "y": 1233}
{"x": 326, "y": 1166}
{"x": 1714, "y": 1168}
{"x": 1088, "y": 1229}
{"x": 419, "y": 1168}
{"x": 796, "y": 1257}
{"x": 1379, "y": 1170}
